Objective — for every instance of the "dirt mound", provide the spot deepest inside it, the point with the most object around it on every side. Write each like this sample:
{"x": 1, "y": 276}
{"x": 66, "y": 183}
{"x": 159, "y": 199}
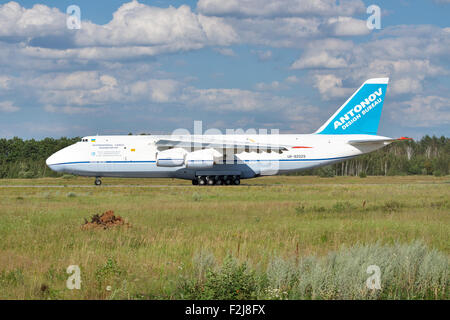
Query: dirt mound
{"x": 104, "y": 221}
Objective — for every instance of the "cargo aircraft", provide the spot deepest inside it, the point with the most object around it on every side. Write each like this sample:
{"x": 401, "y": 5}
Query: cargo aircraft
{"x": 226, "y": 159}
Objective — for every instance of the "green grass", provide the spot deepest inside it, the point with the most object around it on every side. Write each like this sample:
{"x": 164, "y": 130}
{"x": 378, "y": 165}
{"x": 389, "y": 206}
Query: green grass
{"x": 172, "y": 223}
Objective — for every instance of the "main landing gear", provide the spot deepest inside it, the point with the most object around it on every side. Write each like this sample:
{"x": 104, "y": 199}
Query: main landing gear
{"x": 98, "y": 182}
{"x": 216, "y": 180}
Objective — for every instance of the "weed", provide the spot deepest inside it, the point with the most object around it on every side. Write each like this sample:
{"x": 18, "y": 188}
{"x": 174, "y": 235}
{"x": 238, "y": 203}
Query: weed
{"x": 300, "y": 209}
{"x": 13, "y": 277}
{"x": 392, "y": 206}
{"x": 233, "y": 281}
{"x": 196, "y": 197}
{"x": 109, "y": 272}
{"x": 342, "y": 206}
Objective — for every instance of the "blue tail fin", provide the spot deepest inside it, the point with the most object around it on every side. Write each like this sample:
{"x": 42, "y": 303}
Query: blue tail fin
{"x": 361, "y": 113}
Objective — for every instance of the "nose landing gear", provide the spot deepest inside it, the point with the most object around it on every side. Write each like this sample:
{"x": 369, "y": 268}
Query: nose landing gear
{"x": 98, "y": 182}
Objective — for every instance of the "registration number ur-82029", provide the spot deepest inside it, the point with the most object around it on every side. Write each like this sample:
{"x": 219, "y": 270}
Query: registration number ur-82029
{"x": 296, "y": 156}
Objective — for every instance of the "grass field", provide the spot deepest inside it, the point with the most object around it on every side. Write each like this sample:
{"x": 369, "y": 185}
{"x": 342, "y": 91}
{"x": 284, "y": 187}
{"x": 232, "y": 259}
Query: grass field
{"x": 178, "y": 230}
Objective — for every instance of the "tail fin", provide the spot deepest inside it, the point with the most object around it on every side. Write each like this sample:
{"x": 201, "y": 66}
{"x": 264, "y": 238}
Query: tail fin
{"x": 361, "y": 113}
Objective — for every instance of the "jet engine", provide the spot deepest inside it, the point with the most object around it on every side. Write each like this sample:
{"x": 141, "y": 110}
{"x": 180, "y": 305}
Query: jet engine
{"x": 171, "y": 158}
{"x": 201, "y": 159}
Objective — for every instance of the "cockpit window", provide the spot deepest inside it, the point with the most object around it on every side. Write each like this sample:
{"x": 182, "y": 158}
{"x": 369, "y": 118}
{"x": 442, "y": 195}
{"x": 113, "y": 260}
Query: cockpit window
{"x": 84, "y": 140}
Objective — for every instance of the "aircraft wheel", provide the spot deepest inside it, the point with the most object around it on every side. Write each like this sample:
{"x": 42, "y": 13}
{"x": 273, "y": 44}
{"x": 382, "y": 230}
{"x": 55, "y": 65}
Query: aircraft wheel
{"x": 237, "y": 181}
{"x": 227, "y": 181}
{"x": 219, "y": 182}
{"x": 98, "y": 182}
{"x": 210, "y": 181}
{"x": 201, "y": 181}
{"x": 194, "y": 182}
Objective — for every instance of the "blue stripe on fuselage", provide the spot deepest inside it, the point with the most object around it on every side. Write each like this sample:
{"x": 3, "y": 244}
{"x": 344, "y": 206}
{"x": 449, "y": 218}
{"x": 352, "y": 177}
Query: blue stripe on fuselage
{"x": 280, "y": 160}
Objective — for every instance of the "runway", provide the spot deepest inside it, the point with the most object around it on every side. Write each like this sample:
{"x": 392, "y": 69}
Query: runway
{"x": 191, "y": 186}
{"x": 93, "y": 186}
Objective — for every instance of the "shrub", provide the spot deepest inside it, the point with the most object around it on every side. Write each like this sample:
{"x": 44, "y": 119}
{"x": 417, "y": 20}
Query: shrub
{"x": 326, "y": 172}
{"x": 408, "y": 271}
{"x": 300, "y": 209}
{"x": 109, "y": 273}
{"x": 342, "y": 206}
{"x": 437, "y": 173}
{"x": 392, "y": 206}
{"x": 232, "y": 281}
{"x": 362, "y": 174}
{"x": 13, "y": 277}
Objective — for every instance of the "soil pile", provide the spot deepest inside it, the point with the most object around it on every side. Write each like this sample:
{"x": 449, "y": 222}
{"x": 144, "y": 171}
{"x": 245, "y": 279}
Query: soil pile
{"x": 104, "y": 221}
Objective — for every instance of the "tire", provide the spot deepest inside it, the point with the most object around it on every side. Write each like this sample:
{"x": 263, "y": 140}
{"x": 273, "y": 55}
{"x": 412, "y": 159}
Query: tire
{"x": 237, "y": 181}
{"x": 194, "y": 182}
{"x": 98, "y": 182}
{"x": 201, "y": 181}
{"x": 210, "y": 181}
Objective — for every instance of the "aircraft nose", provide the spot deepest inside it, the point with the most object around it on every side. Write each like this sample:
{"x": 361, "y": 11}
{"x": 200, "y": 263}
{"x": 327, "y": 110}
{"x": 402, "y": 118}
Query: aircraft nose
{"x": 49, "y": 161}
{"x": 52, "y": 163}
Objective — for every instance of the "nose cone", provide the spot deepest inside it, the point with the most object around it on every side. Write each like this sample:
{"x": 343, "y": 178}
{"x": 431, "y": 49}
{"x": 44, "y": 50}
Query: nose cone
{"x": 49, "y": 161}
{"x": 54, "y": 163}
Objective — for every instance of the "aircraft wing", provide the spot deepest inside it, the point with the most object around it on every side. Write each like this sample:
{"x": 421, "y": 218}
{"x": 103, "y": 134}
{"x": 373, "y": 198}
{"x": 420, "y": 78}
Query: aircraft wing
{"x": 218, "y": 144}
{"x": 376, "y": 141}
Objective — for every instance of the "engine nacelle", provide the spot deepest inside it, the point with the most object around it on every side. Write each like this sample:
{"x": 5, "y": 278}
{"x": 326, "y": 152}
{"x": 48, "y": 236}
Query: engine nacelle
{"x": 171, "y": 158}
{"x": 201, "y": 159}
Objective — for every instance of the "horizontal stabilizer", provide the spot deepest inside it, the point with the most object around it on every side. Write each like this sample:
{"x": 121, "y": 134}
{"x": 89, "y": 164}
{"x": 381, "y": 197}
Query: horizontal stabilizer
{"x": 376, "y": 141}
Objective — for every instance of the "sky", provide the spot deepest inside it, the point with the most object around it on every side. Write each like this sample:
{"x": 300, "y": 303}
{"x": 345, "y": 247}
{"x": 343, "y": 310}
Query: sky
{"x": 157, "y": 66}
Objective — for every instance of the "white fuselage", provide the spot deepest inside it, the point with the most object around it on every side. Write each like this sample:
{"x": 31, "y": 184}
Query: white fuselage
{"x": 136, "y": 156}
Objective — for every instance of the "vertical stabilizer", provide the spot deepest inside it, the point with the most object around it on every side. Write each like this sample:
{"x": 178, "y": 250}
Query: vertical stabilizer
{"x": 361, "y": 113}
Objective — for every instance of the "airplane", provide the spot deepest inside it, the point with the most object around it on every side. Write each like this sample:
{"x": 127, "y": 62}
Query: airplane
{"x": 226, "y": 159}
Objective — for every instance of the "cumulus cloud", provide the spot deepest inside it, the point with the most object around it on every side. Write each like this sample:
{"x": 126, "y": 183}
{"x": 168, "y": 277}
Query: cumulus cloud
{"x": 86, "y": 80}
{"x": 268, "y": 8}
{"x": 5, "y": 82}
{"x": 106, "y": 67}
{"x": 157, "y": 90}
{"x": 327, "y": 53}
{"x": 292, "y": 79}
{"x": 135, "y": 30}
{"x": 263, "y": 55}
{"x": 223, "y": 99}
{"x": 330, "y": 86}
{"x": 346, "y": 26}
{"x": 8, "y": 106}
{"x": 291, "y": 32}
{"x": 277, "y": 85}
{"x": 136, "y": 24}
{"x": 425, "y": 111}
{"x": 403, "y": 54}
{"x": 274, "y": 85}
{"x": 23, "y": 23}
{"x": 320, "y": 60}
{"x": 69, "y": 109}
{"x": 225, "y": 52}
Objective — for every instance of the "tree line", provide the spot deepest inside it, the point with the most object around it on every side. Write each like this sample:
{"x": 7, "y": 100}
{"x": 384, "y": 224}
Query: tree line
{"x": 428, "y": 156}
